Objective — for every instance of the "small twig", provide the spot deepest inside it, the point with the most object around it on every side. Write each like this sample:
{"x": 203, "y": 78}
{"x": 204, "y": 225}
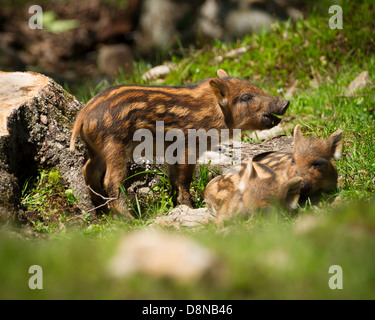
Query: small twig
{"x": 104, "y": 198}
{"x": 98, "y": 194}
{"x": 102, "y": 205}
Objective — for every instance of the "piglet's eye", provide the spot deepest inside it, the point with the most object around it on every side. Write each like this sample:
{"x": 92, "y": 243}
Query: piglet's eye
{"x": 246, "y": 97}
{"x": 319, "y": 163}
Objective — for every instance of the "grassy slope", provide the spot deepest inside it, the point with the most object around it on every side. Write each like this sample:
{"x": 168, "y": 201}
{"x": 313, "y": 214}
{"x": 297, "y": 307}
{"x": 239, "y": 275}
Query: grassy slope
{"x": 274, "y": 256}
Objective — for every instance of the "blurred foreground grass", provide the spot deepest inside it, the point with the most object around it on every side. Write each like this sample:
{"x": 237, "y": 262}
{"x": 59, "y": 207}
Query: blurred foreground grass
{"x": 275, "y": 260}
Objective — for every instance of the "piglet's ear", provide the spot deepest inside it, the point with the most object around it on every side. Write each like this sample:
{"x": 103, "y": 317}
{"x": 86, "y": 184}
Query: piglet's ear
{"x": 222, "y": 74}
{"x": 220, "y": 90}
{"x": 247, "y": 175}
{"x": 335, "y": 144}
{"x": 297, "y": 135}
{"x": 250, "y": 170}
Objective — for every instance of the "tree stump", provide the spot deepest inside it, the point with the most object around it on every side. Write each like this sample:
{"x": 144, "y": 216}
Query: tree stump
{"x": 36, "y": 117}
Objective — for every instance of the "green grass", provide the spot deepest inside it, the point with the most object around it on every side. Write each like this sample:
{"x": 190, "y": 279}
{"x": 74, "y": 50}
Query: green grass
{"x": 271, "y": 259}
{"x": 49, "y": 201}
{"x": 278, "y": 255}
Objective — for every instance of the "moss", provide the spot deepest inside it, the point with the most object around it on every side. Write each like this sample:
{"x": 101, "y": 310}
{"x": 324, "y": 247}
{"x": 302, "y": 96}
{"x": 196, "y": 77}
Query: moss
{"x": 4, "y": 147}
{"x": 9, "y": 195}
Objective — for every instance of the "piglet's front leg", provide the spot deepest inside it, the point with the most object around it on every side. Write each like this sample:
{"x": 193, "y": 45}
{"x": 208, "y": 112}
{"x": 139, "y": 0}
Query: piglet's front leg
{"x": 180, "y": 177}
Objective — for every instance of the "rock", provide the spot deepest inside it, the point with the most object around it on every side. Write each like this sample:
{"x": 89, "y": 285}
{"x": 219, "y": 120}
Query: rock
{"x": 112, "y": 57}
{"x": 248, "y": 150}
{"x": 232, "y": 54}
{"x": 36, "y": 116}
{"x": 236, "y": 52}
{"x": 359, "y": 83}
{"x": 208, "y": 21}
{"x": 117, "y": 20}
{"x": 267, "y": 134}
{"x": 158, "y": 24}
{"x": 279, "y": 143}
{"x": 219, "y": 19}
{"x": 294, "y": 13}
{"x": 241, "y": 21}
{"x": 291, "y": 90}
{"x": 162, "y": 255}
{"x": 158, "y": 72}
{"x": 184, "y": 216}
{"x": 215, "y": 158}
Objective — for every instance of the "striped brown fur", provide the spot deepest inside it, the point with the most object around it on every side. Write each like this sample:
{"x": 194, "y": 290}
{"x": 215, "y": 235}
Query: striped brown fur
{"x": 108, "y": 122}
{"x": 248, "y": 187}
{"x": 312, "y": 160}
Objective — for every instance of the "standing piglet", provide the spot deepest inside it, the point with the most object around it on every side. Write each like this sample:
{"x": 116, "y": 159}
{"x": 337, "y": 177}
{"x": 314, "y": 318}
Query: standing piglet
{"x": 109, "y": 121}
